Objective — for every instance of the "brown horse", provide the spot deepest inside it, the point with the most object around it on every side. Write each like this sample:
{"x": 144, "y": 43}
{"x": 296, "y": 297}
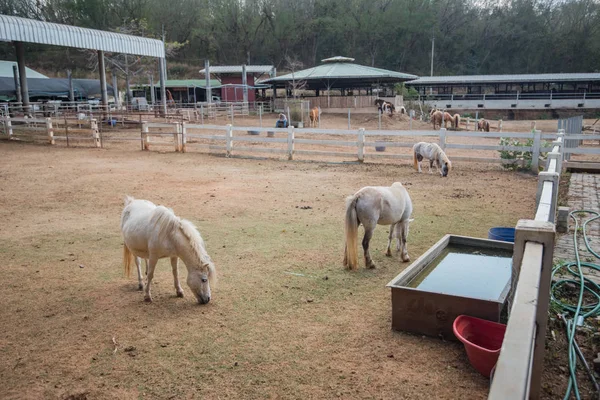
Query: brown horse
{"x": 483, "y": 125}
{"x": 448, "y": 118}
{"x": 436, "y": 118}
{"x": 315, "y": 113}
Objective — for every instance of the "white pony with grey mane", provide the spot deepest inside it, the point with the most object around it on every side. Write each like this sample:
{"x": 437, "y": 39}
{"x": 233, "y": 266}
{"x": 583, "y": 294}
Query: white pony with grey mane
{"x": 372, "y": 206}
{"x": 434, "y": 153}
{"x": 153, "y": 232}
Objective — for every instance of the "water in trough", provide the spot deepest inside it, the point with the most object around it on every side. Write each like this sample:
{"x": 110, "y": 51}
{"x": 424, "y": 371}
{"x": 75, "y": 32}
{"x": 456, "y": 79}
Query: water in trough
{"x": 465, "y": 271}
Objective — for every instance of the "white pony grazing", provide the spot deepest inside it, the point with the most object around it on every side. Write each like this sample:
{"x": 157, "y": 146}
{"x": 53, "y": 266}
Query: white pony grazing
{"x": 434, "y": 154}
{"x": 153, "y": 232}
{"x": 372, "y": 206}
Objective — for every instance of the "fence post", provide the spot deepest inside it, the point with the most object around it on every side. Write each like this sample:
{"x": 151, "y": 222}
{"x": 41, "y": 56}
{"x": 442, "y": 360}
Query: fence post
{"x": 95, "y": 133}
{"x": 144, "y": 136}
{"x": 290, "y": 142}
{"x": 183, "y": 137}
{"x": 500, "y": 125}
{"x": 349, "y": 124}
{"x": 541, "y": 232}
{"x": 202, "y": 114}
{"x": 443, "y": 138}
{"x": 50, "y": 131}
{"x": 535, "y": 154}
{"x": 260, "y": 111}
{"x": 361, "y": 144}
{"x": 177, "y": 137}
{"x": 229, "y": 137}
{"x": 8, "y": 126}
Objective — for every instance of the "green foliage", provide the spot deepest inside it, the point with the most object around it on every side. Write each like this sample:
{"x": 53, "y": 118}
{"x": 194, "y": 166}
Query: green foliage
{"x": 471, "y": 36}
{"x": 523, "y": 157}
{"x": 409, "y": 93}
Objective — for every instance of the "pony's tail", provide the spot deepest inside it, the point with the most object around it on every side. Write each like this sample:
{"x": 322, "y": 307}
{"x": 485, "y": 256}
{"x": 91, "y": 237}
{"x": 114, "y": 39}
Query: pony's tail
{"x": 456, "y": 121}
{"x": 415, "y": 161}
{"x": 351, "y": 228}
{"x": 127, "y": 260}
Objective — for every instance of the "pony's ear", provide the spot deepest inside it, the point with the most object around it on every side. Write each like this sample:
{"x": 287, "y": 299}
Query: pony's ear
{"x": 128, "y": 199}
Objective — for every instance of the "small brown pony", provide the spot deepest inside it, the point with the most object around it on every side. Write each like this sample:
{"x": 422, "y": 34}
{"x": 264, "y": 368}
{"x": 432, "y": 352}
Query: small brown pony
{"x": 314, "y": 115}
{"x": 483, "y": 125}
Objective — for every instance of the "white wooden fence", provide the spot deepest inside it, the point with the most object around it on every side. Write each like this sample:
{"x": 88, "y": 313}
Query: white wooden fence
{"x": 50, "y": 130}
{"x": 327, "y": 142}
{"x": 520, "y": 365}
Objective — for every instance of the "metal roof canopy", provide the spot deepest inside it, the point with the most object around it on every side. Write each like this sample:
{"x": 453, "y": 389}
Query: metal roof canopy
{"x": 338, "y": 73}
{"x": 237, "y": 69}
{"x": 495, "y": 79}
{"x": 16, "y": 29}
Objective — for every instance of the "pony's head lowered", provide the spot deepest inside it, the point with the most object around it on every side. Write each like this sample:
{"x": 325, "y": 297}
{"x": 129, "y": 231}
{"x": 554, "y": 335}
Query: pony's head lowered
{"x": 202, "y": 273}
{"x": 445, "y": 163}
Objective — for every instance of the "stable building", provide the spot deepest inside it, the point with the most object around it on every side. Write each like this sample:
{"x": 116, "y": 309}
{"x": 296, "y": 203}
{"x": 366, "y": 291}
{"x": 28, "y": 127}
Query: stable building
{"x": 234, "y": 79}
{"x": 510, "y": 92}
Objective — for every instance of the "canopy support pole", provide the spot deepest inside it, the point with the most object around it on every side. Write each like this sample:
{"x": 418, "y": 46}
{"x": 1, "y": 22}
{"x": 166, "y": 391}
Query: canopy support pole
{"x": 20, "y": 50}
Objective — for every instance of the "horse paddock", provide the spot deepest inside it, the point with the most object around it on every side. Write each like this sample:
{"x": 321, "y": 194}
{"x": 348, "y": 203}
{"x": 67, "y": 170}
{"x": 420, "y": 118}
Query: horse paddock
{"x": 285, "y": 320}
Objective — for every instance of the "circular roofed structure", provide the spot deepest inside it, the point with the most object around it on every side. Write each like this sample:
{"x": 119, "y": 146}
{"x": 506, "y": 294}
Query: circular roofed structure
{"x": 339, "y": 73}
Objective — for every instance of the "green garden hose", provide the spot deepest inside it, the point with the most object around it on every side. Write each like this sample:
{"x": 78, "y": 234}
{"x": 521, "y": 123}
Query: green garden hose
{"x": 574, "y": 314}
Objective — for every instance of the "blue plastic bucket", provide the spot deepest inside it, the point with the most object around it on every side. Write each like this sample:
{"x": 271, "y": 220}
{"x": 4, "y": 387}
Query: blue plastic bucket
{"x": 501, "y": 233}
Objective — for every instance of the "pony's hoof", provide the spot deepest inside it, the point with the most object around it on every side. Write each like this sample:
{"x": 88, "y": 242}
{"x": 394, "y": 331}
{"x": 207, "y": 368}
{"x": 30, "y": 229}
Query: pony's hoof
{"x": 371, "y": 265}
{"x": 179, "y": 294}
{"x": 148, "y": 299}
{"x": 405, "y": 259}
{"x": 141, "y": 286}
{"x": 388, "y": 253}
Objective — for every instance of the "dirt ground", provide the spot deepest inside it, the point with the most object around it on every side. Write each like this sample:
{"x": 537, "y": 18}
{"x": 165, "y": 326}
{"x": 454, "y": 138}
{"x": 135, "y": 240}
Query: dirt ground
{"x": 286, "y": 320}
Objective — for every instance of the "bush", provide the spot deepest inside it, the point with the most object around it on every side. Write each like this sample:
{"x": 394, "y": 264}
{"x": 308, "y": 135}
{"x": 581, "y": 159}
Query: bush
{"x": 524, "y": 156}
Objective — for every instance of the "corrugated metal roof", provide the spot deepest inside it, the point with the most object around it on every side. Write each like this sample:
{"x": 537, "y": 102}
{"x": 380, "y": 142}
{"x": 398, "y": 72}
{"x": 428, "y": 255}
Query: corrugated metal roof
{"x": 6, "y": 71}
{"x": 472, "y": 79}
{"x": 341, "y": 70}
{"x": 237, "y": 69}
{"x": 188, "y": 83}
{"x": 33, "y": 31}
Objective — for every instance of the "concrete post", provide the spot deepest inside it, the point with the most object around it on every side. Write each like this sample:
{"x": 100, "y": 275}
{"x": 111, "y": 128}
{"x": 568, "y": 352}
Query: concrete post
{"x": 183, "y": 137}
{"x": 543, "y": 233}
{"x": 50, "y": 131}
{"x": 245, "y": 83}
{"x": 535, "y": 154}
{"x": 8, "y": 126}
{"x": 71, "y": 91}
{"x": 95, "y": 133}
{"x": 443, "y": 138}
{"x": 116, "y": 90}
{"x": 144, "y": 136}
{"x": 163, "y": 89}
{"x": 361, "y": 144}
{"x": 102, "y": 70}
{"x": 17, "y": 84}
{"x": 562, "y": 221}
{"x": 229, "y": 137}
{"x": 290, "y": 142}
{"x": 20, "y": 50}
{"x": 208, "y": 88}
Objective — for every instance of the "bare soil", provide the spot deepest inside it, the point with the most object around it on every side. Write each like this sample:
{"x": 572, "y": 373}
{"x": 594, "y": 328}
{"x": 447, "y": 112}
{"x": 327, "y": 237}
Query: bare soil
{"x": 286, "y": 320}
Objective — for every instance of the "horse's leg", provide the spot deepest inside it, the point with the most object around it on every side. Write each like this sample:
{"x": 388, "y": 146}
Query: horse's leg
{"x": 146, "y": 262}
{"x": 430, "y": 165}
{"x": 176, "y": 277}
{"x": 390, "y": 237}
{"x": 369, "y": 228}
{"x": 151, "y": 265}
{"x": 139, "y": 271}
{"x": 404, "y": 253}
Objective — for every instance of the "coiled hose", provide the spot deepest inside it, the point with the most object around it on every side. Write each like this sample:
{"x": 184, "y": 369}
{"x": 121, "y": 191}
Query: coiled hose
{"x": 571, "y": 273}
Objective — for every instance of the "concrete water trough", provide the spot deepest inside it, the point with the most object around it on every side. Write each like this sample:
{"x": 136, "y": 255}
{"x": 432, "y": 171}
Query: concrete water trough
{"x": 458, "y": 275}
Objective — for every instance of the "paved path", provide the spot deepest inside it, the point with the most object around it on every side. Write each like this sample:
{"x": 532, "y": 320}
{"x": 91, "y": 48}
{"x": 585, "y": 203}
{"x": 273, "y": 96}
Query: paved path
{"x": 584, "y": 194}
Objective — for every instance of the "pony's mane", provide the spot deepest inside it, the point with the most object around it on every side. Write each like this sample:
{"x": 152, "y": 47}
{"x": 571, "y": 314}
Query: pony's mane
{"x": 167, "y": 222}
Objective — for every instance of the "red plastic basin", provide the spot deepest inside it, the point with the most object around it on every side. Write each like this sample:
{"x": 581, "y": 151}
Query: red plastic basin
{"x": 482, "y": 340}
